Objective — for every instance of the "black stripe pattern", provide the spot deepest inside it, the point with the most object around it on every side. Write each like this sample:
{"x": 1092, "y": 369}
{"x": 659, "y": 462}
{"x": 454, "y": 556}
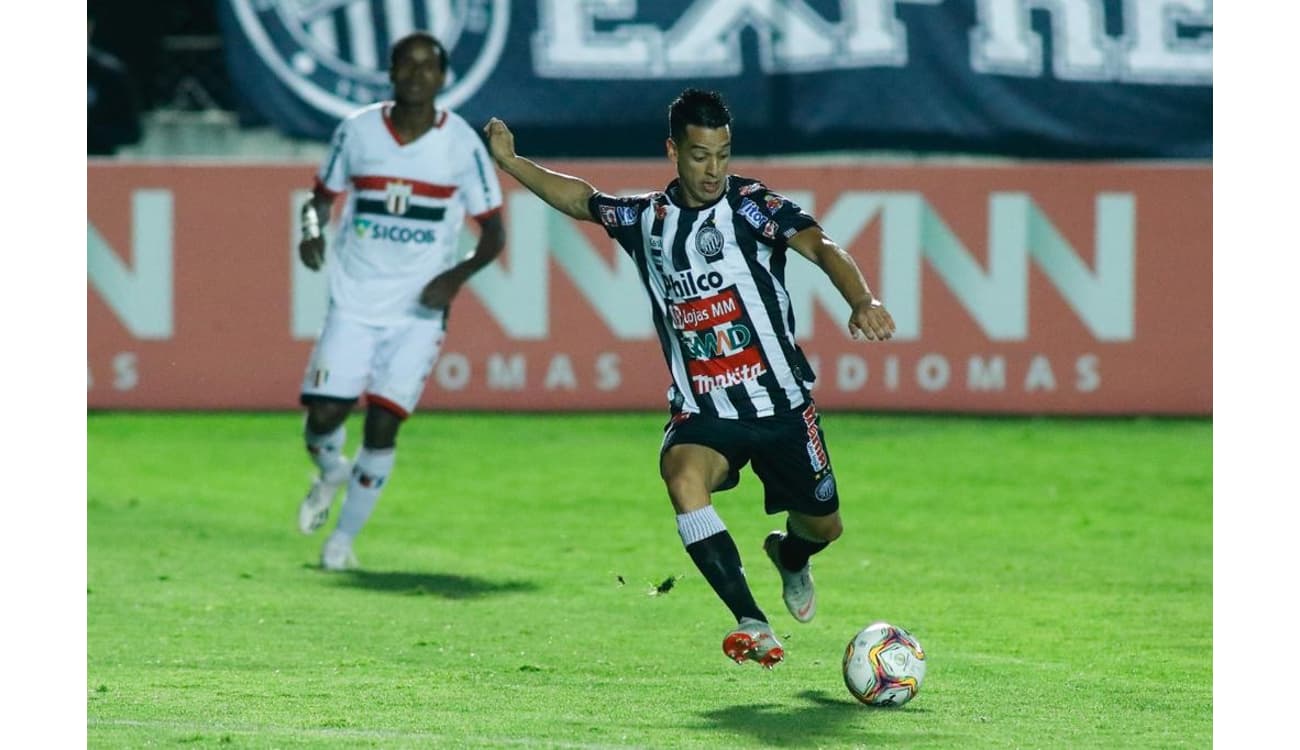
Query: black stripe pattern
{"x": 689, "y": 261}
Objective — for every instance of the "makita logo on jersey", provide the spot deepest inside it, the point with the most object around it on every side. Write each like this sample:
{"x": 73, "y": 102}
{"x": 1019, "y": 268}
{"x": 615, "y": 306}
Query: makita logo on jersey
{"x": 724, "y": 372}
{"x": 373, "y": 230}
{"x": 688, "y": 284}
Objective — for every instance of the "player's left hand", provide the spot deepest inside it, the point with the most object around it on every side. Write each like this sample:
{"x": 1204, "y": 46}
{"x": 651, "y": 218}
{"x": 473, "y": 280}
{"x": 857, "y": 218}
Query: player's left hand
{"x": 870, "y": 319}
{"x": 440, "y": 291}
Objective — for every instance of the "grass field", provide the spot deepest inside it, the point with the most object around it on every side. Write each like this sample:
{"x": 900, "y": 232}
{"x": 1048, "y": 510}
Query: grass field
{"x": 1057, "y": 572}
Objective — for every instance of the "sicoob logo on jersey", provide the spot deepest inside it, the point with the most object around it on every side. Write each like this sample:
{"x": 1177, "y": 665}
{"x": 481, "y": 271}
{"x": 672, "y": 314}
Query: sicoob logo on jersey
{"x": 708, "y": 240}
{"x": 332, "y": 56}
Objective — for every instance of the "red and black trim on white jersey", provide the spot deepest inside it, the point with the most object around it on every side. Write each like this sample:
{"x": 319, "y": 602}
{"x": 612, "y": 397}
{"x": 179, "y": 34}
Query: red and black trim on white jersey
{"x": 438, "y": 120}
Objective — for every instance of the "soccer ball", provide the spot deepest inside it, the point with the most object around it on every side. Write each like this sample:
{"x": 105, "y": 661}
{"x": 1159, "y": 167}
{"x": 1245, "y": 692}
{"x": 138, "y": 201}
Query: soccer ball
{"x": 884, "y": 665}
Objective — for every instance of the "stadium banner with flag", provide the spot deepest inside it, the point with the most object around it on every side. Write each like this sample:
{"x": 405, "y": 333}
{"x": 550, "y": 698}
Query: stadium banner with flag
{"x": 1054, "y": 288}
{"x": 1065, "y": 79}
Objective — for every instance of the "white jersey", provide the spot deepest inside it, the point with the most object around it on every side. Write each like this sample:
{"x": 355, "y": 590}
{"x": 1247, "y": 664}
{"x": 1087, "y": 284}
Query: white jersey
{"x": 405, "y": 209}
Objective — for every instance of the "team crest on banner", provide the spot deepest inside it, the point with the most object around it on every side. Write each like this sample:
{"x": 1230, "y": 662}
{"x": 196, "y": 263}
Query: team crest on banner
{"x": 397, "y": 198}
{"x": 333, "y": 54}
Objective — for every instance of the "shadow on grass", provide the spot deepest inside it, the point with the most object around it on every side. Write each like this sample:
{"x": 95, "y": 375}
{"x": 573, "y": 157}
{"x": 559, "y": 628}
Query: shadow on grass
{"x": 816, "y": 721}
{"x": 444, "y": 585}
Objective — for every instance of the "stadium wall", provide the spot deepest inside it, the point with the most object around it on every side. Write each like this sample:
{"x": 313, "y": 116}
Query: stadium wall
{"x": 1050, "y": 288}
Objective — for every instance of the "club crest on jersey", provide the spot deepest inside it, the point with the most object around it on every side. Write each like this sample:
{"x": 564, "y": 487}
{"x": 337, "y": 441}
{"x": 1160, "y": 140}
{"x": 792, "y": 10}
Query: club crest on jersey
{"x": 608, "y": 217}
{"x": 769, "y": 230}
{"x": 321, "y": 59}
{"x": 708, "y": 240}
{"x": 825, "y": 488}
{"x": 397, "y": 197}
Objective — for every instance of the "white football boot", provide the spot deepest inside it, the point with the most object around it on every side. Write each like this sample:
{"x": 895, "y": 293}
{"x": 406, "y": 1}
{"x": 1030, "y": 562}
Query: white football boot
{"x": 753, "y": 640}
{"x": 797, "y": 587}
{"x": 314, "y": 510}
{"x": 337, "y": 553}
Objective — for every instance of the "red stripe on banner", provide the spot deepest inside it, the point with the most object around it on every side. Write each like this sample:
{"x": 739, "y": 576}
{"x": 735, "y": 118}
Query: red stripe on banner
{"x": 1103, "y": 312}
{"x": 425, "y": 189}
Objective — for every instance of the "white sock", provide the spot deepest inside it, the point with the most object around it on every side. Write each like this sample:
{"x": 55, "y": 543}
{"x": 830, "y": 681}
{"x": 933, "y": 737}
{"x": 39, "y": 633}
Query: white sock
{"x": 369, "y": 475}
{"x": 699, "y": 524}
{"x": 326, "y": 452}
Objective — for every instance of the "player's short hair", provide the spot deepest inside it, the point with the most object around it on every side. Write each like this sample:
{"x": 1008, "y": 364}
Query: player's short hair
{"x": 703, "y": 109}
{"x": 418, "y": 37}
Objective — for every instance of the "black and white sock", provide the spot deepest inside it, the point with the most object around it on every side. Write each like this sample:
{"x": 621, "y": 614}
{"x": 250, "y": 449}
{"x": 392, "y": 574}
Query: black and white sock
{"x": 369, "y": 475}
{"x": 326, "y": 452}
{"x": 714, "y": 553}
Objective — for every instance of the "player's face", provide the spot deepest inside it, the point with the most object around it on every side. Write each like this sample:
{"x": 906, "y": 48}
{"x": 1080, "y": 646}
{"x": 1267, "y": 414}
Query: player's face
{"x": 701, "y": 160}
{"x": 416, "y": 74}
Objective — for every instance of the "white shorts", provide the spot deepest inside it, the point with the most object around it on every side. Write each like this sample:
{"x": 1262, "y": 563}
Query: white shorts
{"x": 387, "y": 364}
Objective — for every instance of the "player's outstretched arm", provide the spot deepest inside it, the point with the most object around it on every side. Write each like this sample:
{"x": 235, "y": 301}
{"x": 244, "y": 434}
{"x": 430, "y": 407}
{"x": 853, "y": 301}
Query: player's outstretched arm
{"x": 868, "y": 316}
{"x": 563, "y": 192}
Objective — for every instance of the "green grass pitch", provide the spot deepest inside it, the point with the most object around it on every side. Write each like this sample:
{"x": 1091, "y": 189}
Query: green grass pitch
{"x": 1058, "y": 573}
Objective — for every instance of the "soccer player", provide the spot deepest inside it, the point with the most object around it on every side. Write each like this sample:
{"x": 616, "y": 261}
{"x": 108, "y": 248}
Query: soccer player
{"x": 711, "y": 250}
{"x": 412, "y": 172}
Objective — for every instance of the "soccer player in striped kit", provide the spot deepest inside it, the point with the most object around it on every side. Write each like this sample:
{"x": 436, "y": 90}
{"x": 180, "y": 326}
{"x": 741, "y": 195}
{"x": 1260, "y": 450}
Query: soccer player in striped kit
{"x": 711, "y": 249}
{"x": 412, "y": 173}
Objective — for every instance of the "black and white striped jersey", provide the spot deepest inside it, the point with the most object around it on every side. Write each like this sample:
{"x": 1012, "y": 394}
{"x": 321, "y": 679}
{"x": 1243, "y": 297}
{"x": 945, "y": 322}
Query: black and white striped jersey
{"x": 715, "y": 276}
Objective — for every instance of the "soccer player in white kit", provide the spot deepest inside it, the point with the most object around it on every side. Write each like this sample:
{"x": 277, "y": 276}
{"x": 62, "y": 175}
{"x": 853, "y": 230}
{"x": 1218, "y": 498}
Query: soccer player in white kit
{"x": 412, "y": 173}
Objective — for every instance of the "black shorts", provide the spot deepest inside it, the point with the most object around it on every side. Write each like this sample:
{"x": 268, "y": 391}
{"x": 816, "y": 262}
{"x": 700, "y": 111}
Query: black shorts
{"x": 788, "y": 452}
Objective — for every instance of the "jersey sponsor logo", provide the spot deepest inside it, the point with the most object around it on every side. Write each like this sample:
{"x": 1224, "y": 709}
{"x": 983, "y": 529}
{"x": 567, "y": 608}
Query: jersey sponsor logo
{"x": 816, "y": 450}
{"x": 713, "y": 343}
{"x": 334, "y": 56}
{"x": 627, "y": 215}
{"x": 724, "y": 372}
{"x": 774, "y": 202}
{"x": 708, "y": 240}
{"x": 695, "y": 315}
{"x": 790, "y": 233}
{"x": 688, "y": 284}
{"x": 749, "y": 209}
{"x": 656, "y": 243}
{"x": 397, "y": 197}
{"x": 373, "y": 230}
{"x": 825, "y": 488}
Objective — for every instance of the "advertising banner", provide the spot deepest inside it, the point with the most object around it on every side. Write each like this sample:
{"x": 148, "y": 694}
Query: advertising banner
{"x": 1045, "y": 288}
{"x": 1063, "y": 79}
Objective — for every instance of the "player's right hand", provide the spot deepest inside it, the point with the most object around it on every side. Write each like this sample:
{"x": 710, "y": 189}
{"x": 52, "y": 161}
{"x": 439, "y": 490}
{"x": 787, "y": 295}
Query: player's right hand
{"x": 501, "y": 142}
{"x": 312, "y": 252}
